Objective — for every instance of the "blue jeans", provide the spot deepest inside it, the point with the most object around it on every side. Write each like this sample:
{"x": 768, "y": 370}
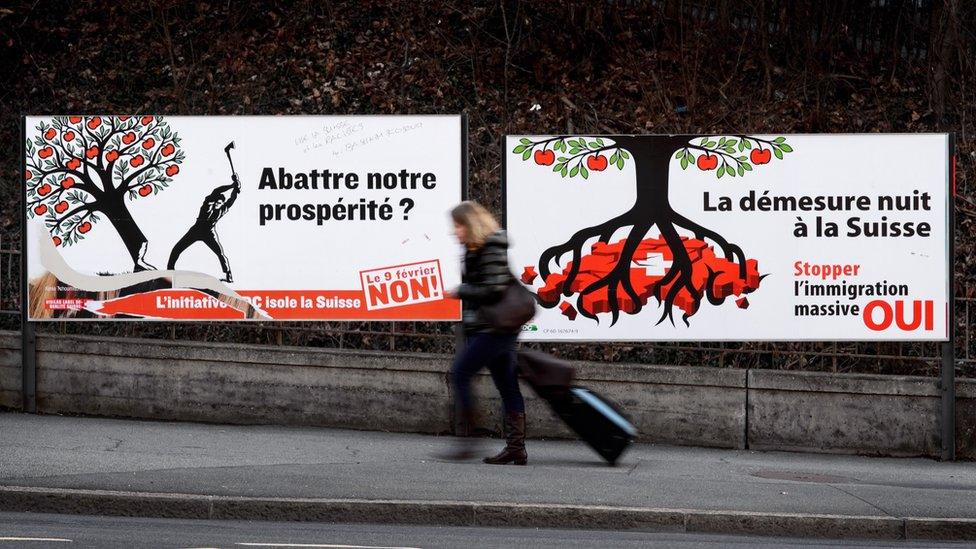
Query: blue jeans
{"x": 497, "y": 351}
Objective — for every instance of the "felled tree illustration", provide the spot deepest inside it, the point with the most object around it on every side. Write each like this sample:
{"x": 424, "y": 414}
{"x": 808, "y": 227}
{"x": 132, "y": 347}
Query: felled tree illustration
{"x": 729, "y": 156}
{"x": 80, "y": 169}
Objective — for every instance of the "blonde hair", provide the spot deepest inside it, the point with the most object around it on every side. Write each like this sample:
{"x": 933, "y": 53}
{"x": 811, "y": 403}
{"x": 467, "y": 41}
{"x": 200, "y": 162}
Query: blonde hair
{"x": 477, "y": 220}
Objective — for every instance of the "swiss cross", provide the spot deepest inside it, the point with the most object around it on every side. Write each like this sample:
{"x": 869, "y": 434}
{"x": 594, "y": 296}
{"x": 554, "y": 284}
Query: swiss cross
{"x": 654, "y": 264}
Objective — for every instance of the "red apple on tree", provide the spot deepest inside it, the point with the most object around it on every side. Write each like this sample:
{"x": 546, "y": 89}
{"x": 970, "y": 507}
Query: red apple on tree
{"x": 50, "y": 134}
{"x": 61, "y": 207}
{"x": 56, "y": 240}
{"x": 92, "y": 152}
{"x": 596, "y": 162}
{"x": 112, "y": 156}
{"x": 761, "y": 156}
{"x": 73, "y": 164}
{"x": 69, "y": 135}
{"x": 129, "y": 138}
{"x": 149, "y": 143}
{"x": 44, "y": 189}
{"x": 136, "y": 161}
{"x": 41, "y": 209}
{"x": 124, "y": 118}
{"x": 145, "y": 190}
{"x": 28, "y": 175}
{"x": 74, "y": 119}
{"x": 45, "y": 152}
{"x": 94, "y": 122}
{"x": 545, "y": 158}
{"x": 168, "y": 149}
{"x": 707, "y": 162}
{"x": 84, "y": 227}
{"x": 172, "y": 170}
{"x": 68, "y": 182}
{"x": 146, "y": 120}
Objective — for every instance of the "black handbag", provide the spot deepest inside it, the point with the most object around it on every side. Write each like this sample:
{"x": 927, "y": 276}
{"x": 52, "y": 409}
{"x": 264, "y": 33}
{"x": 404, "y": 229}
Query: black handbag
{"x": 515, "y": 308}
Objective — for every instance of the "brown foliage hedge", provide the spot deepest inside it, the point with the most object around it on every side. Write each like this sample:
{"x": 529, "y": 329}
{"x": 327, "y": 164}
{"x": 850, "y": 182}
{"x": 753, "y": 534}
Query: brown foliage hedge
{"x": 758, "y": 66}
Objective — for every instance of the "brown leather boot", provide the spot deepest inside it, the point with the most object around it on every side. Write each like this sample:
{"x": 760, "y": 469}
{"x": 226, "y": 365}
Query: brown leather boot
{"x": 514, "y": 451}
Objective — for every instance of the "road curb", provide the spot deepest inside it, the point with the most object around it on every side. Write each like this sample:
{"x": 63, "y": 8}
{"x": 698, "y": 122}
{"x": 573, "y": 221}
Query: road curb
{"x": 494, "y": 514}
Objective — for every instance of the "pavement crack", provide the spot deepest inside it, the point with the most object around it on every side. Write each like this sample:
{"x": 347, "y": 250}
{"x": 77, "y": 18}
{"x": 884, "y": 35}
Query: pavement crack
{"x": 634, "y": 467}
{"x": 855, "y": 496}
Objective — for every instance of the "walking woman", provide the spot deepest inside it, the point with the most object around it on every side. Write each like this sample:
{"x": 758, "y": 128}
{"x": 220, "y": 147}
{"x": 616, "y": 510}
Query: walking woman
{"x": 485, "y": 277}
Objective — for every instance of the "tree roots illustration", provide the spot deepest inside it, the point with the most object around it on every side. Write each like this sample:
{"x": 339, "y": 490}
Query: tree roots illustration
{"x": 583, "y": 156}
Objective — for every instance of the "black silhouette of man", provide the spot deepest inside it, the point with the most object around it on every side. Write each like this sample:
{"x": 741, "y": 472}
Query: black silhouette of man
{"x": 204, "y": 229}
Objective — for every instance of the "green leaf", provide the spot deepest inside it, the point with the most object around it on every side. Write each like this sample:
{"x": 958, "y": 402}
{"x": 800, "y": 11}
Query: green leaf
{"x": 721, "y": 142}
{"x": 721, "y": 172}
{"x": 563, "y": 171}
{"x": 575, "y": 150}
{"x": 786, "y": 148}
{"x": 703, "y": 141}
{"x": 574, "y": 171}
{"x": 525, "y": 141}
{"x": 558, "y": 167}
{"x": 709, "y": 145}
{"x": 620, "y": 163}
{"x": 778, "y": 153}
{"x": 779, "y": 140}
{"x": 526, "y": 155}
{"x": 742, "y": 146}
{"x": 679, "y": 154}
{"x": 730, "y": 170}
{"x": 731, "y": 142}
{"x": 594, "y": 145}
{"x": 625, "y": 154}
{"x": 748, "y": 143}
{"x": 599, "y": 141}
{"x": 519, "y": 149}
{"x": 741, "y": 170}
{"x": 613, "y": 158}
{"x": 729, "y": 150}
{"x": 684, "y": 162}
{"x": 747, "y": 166}
{"x": 560, "y": 146}
{"x": 584, "y": 172}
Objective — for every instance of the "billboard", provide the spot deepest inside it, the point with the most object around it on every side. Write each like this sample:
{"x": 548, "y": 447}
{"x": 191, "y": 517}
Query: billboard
{"x": 732, "y": 237}
{"x": 236, "y": 218}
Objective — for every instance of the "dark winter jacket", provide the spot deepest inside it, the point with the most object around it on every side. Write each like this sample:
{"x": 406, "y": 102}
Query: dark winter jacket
{"x": 485, "y": 277}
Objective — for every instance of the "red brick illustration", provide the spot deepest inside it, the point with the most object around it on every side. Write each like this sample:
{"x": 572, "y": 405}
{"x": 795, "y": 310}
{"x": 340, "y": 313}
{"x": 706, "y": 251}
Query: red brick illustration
{"x": 712, "y": 276}
{"x": 568, "y": 310}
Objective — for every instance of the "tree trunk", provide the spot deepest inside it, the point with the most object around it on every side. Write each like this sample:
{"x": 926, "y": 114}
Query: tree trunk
{"x": 130, "y": 233}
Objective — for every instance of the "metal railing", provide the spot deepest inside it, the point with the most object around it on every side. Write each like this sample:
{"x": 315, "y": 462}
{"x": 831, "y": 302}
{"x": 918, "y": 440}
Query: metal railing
{"x": 434, "y": 337}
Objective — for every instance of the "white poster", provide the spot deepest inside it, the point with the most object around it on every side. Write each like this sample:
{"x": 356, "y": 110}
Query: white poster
{"x": 732, "y": 237}
{"x": 263, "y": 217}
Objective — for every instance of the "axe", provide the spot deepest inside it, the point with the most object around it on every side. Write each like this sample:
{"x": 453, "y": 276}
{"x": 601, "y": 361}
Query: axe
{"x": 229, "y": 159}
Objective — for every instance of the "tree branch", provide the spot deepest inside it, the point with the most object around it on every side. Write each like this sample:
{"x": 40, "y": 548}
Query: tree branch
{"x": 86, "y": 206}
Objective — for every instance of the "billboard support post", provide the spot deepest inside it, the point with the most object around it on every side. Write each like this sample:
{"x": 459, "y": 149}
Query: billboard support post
{"x": 28, "y": 339}
{"x": 947, "y": 383}
{"x": 948, "y": 391}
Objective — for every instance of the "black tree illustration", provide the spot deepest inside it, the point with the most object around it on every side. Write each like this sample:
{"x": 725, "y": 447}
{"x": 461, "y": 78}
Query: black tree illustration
{"x": 79, "y": 167}
{"x": 573, "y": 156}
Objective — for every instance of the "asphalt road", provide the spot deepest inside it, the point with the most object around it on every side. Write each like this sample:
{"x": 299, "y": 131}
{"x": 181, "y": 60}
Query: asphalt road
{"x": 39, "y": 531}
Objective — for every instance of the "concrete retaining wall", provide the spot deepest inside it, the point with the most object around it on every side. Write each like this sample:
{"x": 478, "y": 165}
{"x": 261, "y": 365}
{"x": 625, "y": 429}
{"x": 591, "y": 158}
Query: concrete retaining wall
{"x": 700, "y": 406}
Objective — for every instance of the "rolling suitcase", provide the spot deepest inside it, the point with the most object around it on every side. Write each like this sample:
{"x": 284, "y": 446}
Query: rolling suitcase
{"x": 598, "y": 422}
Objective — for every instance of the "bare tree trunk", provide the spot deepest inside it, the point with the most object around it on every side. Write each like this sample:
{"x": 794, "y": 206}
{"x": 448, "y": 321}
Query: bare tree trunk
{"x": 941, "y": 44}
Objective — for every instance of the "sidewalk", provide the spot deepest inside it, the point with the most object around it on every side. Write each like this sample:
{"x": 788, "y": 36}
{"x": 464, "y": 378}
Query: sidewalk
{"x": 106, "y": 466}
